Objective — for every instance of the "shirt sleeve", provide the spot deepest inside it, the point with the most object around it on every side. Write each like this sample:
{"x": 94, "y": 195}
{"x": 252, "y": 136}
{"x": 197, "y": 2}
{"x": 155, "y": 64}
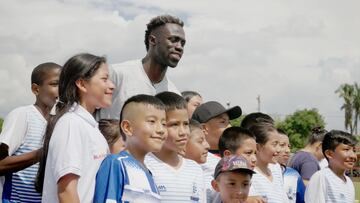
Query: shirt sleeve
{"x": 316, "y": 189}
{"x": 109, "y": 185}
{"x": 66, "y": 148}
{"x": 14, "y": 129}
{"x": 308, "y": 169}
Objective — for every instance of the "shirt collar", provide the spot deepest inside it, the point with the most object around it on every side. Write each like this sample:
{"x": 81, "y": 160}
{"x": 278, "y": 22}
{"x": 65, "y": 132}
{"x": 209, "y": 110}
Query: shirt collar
{"x": 84, "y": 114}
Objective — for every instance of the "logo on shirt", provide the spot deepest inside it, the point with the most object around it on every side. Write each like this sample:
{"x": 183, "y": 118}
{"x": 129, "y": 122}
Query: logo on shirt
{"x": 161, "y": 188}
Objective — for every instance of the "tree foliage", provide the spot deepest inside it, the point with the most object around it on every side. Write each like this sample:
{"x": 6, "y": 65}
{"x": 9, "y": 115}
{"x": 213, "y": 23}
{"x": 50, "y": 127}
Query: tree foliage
{"x": 298, "y": 126}
{"x": 1, "y": 123}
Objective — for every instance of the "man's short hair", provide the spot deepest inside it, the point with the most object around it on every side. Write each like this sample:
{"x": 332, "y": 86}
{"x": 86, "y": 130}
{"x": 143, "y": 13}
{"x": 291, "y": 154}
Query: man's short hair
{"x": 172, "y": 101}
{"x": 334, "y": 138}
{"x": 255, "y": 118}
{"x": 39, "y": 73}
{"x": 232, "y": 138}
{"x": 157, "y": 22}
{"x": 187, "y": 95}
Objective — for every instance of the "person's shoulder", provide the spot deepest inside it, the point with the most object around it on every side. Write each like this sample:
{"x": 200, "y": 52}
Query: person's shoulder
{"x": 21, "y": 110}
{"x": 126, "y": 65}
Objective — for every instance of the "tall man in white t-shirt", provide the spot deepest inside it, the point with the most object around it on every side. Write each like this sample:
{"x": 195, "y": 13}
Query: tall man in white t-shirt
{"x": 164, "y": 41}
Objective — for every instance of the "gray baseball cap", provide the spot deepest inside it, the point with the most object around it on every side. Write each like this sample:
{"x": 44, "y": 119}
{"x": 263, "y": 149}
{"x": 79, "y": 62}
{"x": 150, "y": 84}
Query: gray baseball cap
{"x": 211, "y": 109}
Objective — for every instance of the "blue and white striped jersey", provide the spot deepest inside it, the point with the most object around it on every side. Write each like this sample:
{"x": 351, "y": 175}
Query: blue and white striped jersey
{"x": 23, "y": 132}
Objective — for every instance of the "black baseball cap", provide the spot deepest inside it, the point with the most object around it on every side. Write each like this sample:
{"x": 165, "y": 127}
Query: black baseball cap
{"x": 211, "y": 109}
{"x": 233, "y": 163}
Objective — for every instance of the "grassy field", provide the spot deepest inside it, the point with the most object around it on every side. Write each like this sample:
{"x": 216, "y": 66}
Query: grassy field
{"x": 357, "y": 190}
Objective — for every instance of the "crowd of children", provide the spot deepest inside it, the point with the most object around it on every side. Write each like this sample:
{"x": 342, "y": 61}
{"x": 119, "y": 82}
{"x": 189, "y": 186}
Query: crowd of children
{"x": 163, "y": 147}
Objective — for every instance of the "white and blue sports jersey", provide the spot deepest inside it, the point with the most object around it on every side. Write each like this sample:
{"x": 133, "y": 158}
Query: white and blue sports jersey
{"x": 23, "y": 132}
{"x": 294, "y": 186}
{"x": 326, "y": 186}
{"x": 121, "y": 178}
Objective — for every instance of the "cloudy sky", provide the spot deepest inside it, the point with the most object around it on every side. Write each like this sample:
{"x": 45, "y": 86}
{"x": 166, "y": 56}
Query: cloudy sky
{"x": 294, "y": 54}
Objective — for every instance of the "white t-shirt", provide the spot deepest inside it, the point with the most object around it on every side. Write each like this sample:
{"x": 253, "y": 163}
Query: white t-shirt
{"x": 23, "y": 132}
{"x": 184, "y": 184}
{"x": 76, "y": 147}
{"x": 208, "y": 169}
{"x": 326, "y": 186}
{"x": 130, "y": 79}
{"x": 273, "y": 190}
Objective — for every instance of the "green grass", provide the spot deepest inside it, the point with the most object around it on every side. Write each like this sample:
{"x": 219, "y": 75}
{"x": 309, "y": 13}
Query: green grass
{"x": 357, "y": 190}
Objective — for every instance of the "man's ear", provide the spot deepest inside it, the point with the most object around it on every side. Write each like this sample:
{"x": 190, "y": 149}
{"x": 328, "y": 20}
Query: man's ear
{"x": 227, "y": 153}
{"x": 215, "y": 185}
{"x": 329, "y": 153}
{"x": 80, "y": 84}
{"x": 205, "y": 128}
{"x": 152, "y": 40}
{"x": 35, "y": 89}
{"x": 125, "y": 126}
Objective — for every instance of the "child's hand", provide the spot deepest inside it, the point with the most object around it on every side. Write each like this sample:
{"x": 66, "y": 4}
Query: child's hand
{"x": 256, "y": 199}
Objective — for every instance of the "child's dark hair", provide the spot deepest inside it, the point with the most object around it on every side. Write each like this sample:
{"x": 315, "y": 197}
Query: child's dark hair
{"x": 39, "y": 73}
{"x": 157, "y": 22}
{"x": 110, "y": 128}
{"x": 172, "y": 101}
{"x": 232, "y": 138}
{"x": 187, "y": 95}
{"x": 194, "y": 124}
{"x": 141, "y": 99}
{"x": 255, "y": 118}
{"x": 334, "y": 138}
{"x": 261, "y": 131}
{"x": 81, "y": 66}
{"x": 316, "y": 135}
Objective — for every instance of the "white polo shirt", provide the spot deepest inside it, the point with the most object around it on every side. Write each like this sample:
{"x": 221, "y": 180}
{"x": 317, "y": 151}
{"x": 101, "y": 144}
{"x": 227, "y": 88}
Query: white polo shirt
{"x": 130, "y": 79}
{"x": 76, "y": 147}
{"x": 325, "y": 186}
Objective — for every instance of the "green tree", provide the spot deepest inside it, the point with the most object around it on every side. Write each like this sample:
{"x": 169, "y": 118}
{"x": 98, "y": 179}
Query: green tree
{"x": 356, "y": 107}
{"x": 237, "y": 121}
{"x": 298, "y": 126}
{"x": 346, "y": 92}
{"x": 1, "y": 123}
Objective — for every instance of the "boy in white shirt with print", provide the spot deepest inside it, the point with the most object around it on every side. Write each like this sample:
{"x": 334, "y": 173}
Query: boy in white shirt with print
{"x": 178, "y": 179}
{"x": 331, "y": 184}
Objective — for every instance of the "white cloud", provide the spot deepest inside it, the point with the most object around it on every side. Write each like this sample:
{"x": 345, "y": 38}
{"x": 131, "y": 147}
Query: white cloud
{"x": 293, "y": 54}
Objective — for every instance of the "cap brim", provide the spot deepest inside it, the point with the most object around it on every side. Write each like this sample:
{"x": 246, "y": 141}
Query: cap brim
{"x": 234, "y": 112}
{"x": 243, "y": 170}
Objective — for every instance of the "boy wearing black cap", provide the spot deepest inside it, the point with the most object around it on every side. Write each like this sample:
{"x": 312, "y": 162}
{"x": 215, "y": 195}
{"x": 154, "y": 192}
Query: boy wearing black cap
{"x": 214, "y": 118}
{"x": 232, "y": 179}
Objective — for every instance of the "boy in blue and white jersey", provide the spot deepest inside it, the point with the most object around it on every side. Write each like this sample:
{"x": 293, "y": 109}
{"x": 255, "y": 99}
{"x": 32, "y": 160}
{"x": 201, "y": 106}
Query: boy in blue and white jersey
{"x": 178, "y": 179}
{"x": 123, "y": 177}
{"x": 293, "y": 183}
{"x": 331, "y": 184}
{"x": 22, "y": 136}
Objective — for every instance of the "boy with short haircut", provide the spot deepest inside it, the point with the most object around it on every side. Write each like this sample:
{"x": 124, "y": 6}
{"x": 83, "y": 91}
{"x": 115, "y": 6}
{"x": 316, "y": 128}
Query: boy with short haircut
{"x": 178, "y": 179}
{"x": 331, "y": 184}
{"x": 22, "y": 136}
{"x": 123, "y": 177}
{"x": 197, "y": 147}
{"x": 238, "y": 141}
{"x": 232, "y": 179}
